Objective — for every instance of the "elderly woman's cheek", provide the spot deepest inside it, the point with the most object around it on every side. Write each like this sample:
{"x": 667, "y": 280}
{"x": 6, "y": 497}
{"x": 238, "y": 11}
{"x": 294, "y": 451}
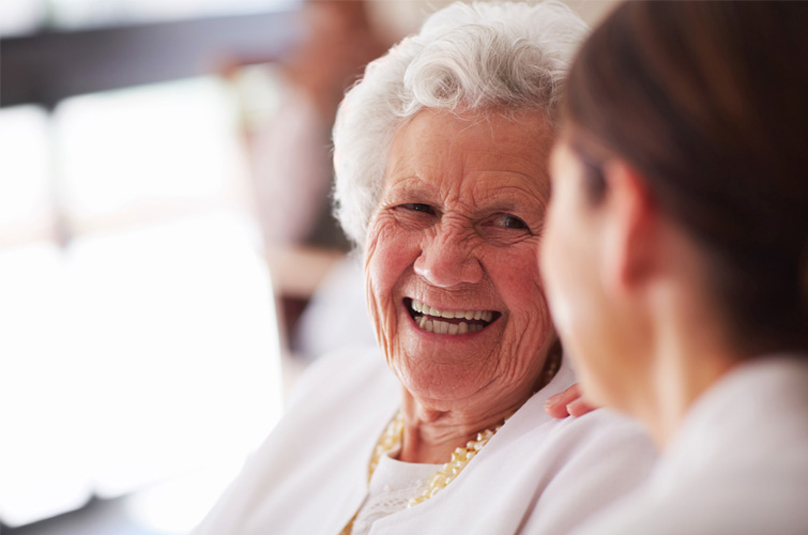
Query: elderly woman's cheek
{"x": 537, "y": 333}
{"x": 533, "y": 327}
{"x": 387, "y": 256}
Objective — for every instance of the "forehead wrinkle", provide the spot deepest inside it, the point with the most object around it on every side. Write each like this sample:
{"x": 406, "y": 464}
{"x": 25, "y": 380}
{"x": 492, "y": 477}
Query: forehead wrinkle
{"x": 432, "y": 165}
{"x": 533, "y": 169}
{"x": 510, "y": 190}
{"x": 512, "y": 199}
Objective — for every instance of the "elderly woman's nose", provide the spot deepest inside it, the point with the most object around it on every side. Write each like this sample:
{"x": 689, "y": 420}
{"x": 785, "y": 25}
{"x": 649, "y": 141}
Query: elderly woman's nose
{"x": 448, "y": 260}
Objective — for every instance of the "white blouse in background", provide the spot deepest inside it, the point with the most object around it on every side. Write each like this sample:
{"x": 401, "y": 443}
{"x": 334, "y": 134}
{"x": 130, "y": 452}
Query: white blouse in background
{"x": 738, "y": 466}
{"x": 537, "y": 475}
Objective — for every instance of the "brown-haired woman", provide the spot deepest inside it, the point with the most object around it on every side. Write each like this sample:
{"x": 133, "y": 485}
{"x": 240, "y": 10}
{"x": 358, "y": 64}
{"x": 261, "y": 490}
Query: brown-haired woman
{"x": 675, "y": 255}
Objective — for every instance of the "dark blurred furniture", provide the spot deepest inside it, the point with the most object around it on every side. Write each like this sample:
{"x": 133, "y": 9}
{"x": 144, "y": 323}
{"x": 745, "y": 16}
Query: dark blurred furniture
{"x": 51, "y": 65}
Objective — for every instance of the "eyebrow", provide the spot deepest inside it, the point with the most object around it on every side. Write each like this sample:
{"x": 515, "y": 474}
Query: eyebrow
{"x": 411, "y": 185}
{"x": 508, "y": 205}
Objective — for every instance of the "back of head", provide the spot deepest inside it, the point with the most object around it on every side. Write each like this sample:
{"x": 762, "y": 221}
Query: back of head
{"x": 709, "y": 102}
{"x": 507, "y": 57}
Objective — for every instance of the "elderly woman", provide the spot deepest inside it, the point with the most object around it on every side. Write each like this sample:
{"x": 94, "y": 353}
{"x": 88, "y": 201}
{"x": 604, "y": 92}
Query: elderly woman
{"x": 676, "y": 256}
{"x": 441, "y": 160}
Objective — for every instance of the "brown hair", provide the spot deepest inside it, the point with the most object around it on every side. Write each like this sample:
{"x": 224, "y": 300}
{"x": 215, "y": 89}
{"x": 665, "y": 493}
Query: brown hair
{"x": 709, "y": 102}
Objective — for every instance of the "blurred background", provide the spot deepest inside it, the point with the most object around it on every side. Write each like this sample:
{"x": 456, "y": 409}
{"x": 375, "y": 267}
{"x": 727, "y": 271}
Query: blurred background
{"x": 168, "y": 262}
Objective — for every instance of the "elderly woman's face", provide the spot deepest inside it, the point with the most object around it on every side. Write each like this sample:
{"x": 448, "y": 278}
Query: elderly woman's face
{"x": 452, "y": 279}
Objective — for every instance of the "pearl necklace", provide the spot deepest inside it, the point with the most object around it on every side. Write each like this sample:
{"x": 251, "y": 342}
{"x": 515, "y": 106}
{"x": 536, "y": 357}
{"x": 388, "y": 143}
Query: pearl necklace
{"x": 391, "y": 439}
{"x": 393, "y": 435}
{"x": 460, "y": 458}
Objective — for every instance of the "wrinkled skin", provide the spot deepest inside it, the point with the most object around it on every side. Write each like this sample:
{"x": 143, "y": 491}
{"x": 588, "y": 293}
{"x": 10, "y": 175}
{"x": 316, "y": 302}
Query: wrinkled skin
{"x": 458, "y": 228}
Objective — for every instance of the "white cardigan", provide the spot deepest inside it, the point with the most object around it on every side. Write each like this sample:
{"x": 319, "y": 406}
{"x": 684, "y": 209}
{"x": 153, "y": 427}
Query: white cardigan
{"x": 537, "y": 475}
{"x": 738, "y": 465}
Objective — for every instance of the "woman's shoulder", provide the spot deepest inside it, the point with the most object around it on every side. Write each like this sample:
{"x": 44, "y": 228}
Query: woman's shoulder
{"x": 341, "y": 372}
{"x": 583, "y": 465}
{"x": 318, "y": 450}
{"x": 739, "y": 463}
{"x": 599, "y": 429}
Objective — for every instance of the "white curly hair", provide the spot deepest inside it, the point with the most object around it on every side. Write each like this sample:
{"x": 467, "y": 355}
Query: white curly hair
{"x": 482, "y": 56}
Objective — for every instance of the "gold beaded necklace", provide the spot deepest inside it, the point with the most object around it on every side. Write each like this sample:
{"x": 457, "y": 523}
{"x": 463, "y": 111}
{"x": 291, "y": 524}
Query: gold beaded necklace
{"x": 391, "y": 439}
{"x": 460, "y": 458}
{"x": 393, "y": 435}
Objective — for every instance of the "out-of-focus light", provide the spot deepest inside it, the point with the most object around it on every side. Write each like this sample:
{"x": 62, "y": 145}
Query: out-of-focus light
{"x": 180, "y": 504}
{"x": 42, "y": 459}
{"x": 186, "y": 308}
{"x": 93, "y": 13}
{"x": 139, "y": 356}
{"x": 21, "y": 17}
{"x": 25, "y": 174}
{"x": 146, "y": 349}
{"x": 143, "y": 148}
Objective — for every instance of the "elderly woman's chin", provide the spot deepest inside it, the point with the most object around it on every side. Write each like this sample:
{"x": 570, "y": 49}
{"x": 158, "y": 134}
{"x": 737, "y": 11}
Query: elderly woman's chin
{"x": 453, "y": 285}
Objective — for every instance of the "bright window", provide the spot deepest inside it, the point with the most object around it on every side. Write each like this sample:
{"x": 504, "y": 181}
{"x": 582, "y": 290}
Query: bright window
{"x": 146, "y": 348}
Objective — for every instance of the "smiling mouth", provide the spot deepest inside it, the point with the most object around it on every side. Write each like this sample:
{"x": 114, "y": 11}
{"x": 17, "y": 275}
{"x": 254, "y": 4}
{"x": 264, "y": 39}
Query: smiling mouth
{"x": 452, "y": 322}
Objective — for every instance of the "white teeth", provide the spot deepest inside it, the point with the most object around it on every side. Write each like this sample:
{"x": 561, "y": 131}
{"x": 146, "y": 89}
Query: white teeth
{"x": 444, "y": 327}
{"x": 428, "y": 319}
{"x": 485, "y": 315}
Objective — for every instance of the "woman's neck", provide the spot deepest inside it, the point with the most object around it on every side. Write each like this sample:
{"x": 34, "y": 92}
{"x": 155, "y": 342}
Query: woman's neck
{"x": 677, "y": 385}
{"x": 690, "y": 354}
{"x": 430, "y": 436}
{"x": 433, "y": 429}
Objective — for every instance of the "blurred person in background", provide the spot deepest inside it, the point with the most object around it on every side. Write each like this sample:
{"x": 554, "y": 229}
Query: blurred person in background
{"x": 441, "y": 157}
{"x": 292, "y": 173}
{"x": 291, "y": 153}
{"x": 675, "y": 256}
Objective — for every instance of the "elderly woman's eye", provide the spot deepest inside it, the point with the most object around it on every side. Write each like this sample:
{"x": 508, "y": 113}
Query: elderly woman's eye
{"x": 419, "y": 207}
{"x": 510, "y": 222}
